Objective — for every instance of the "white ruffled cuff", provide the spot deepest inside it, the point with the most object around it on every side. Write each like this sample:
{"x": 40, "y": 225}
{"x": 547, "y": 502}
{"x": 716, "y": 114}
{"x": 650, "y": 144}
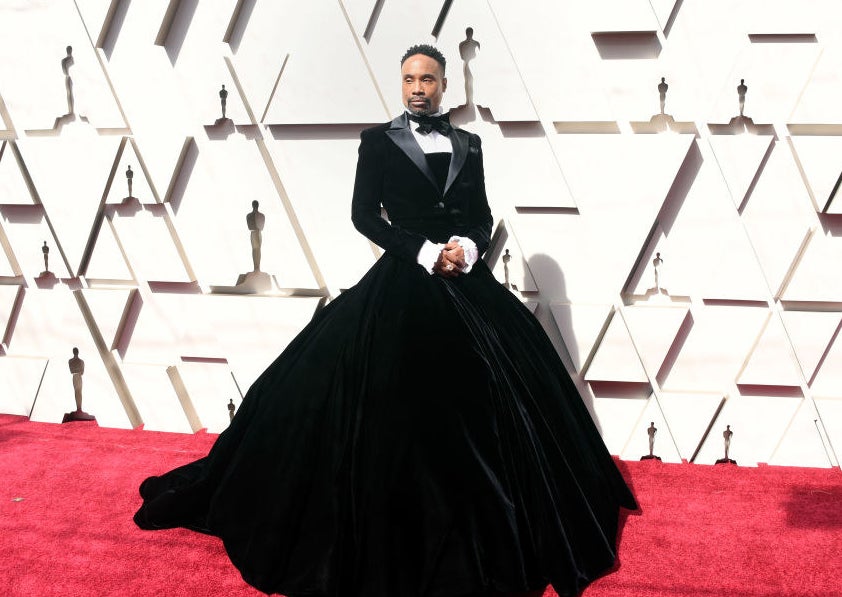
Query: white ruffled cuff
{"x": 470, "y": 249}
{"x": 428, "y": 255}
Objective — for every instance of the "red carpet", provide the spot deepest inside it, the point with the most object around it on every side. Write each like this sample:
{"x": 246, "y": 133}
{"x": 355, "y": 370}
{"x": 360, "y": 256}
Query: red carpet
{"x": 69, "y": 492}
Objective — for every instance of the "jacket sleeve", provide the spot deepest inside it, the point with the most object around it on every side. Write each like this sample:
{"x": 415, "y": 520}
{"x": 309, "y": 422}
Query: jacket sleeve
{"x": 368, "y": 197}
{"x": 481, "y": 221}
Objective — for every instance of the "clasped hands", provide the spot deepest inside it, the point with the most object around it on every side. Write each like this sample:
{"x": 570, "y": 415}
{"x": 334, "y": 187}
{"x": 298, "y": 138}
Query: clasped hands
{"x": 451, "y": 260}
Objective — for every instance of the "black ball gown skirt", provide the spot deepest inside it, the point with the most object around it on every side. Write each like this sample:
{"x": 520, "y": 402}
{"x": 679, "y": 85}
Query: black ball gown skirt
{"x": 420, "y": 437}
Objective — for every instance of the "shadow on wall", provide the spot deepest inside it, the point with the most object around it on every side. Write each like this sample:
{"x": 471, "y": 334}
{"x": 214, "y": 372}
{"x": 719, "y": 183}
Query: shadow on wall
{"x": 553, "y": 288}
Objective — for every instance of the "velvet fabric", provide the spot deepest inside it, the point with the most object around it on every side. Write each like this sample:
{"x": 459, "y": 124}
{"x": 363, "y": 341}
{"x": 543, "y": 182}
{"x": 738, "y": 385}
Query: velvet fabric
{"x": 419, "y": 438}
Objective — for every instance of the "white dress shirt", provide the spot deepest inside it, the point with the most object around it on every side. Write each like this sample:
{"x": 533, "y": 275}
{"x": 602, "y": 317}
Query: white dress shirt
{"x": 435, "y": 142}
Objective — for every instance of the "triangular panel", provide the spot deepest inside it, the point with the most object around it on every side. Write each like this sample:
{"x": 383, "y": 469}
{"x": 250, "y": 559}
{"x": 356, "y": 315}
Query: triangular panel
{"x": 772, "y": 362}
{"x": 810, "y": 333}
{"x": 27, "y": 231}
{"x": 616, "y": 418}
{"x": 60, "y": 75}
{"x": 828, "y": 378}
{"x": 802, "y": 444}
{"x": 106, "y": 261}
{"x": 757, "y": 424}
{"x": 654, "y": 330}
{"x": 706, "y": 362}
{"x": 508, "y": 261}
{"x": 616, "y": 358}
{"x": 638, "y": 442}
{"x": 778, "y": 216}
{"x": 70, "y": 174}
{"x": 13, "y": 188}
{"x": 287, "y": 74}
{"x": 210, "y": 387}
{"x": 485, "y": 63}
{"x": 128, "y": 167}
{"x": 580, "y": 326}
{"x": 19, "y": 381}
{"x": 688, "y": 416}
{"x": 817, "y": 156}
{"x": 739, "y": 158}
{"x": 108, "y": 307}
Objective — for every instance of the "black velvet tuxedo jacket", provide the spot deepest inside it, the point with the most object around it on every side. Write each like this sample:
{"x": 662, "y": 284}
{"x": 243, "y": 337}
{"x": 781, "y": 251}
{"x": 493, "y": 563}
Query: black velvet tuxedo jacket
{"x": 393, "y": 172}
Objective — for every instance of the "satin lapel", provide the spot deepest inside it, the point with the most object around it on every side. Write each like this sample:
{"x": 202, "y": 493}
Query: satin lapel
{"x": 459, "y": 141}
{"x": 404, "y": 139}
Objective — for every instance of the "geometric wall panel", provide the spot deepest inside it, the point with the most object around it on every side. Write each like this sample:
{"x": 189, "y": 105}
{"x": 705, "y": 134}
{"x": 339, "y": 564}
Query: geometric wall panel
{"x": 812, "y": 279}
{"x": 536, "y": 51}
{"x": 802, "y": 443}
{"x": 107, "y": 260}
{"x": 516, "y": 272}
{"x": 49, "y": 326}
{"x": 583, "y": 194}
{"x": 321, "y": 203}
{"x": 147, "y": 240}
{"x": 771, "y": 362}
{"x": 821, "y": 99}
{"x": 618, "y": 419}
{"x": 706, "y": 245}
{"x": 19, "y": 381}
{"x": 616, "y": 358}
{"x": 830, "y": 411}
{"x": 307, "y": 87}
{"x": 8, "y": 303}
{"x": 580, "y": 326}
{"x": 157, "y": 401}
{"x": 620, "y": 16}
{"x": 141, "y": 188}
{"x": 9, "y": 267}
{"x": 162, "y": 327}
{"x": 757, "y": 423}
{"x": 810, "y": 333}
{"x": 818, "y": 157}
{"x": 252, "y": 331}
{"x": 778, "y": 216}
{"x": 496, "y": 81}
{"x": 619, "y": 197}
{"x": 209, "y": 386}
{"x": 706, "y": 361}
{"x": 739, "y": 157}
{"x": 13, "y": 188}
{"x": 108, "y": 306}
{"x": 775, "y": 74}
{"x": 70, "y": 173}
{"x": 211, "y": 218}
{"x": 521, "y": 170}
{"x": 654, "y": 330}
{"x": 828, "y": 378}
{"x": 33, "y": 82}
{"x": 638, "y": 444}
{"x": 688, "y": 416}
{"x": 27, "y": 230}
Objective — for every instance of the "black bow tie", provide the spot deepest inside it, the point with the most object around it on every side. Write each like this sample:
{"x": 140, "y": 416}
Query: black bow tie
{"x": 428, "y": 124}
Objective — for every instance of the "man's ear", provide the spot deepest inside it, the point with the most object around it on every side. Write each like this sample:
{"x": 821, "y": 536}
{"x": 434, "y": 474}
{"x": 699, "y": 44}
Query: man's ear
{"x": 444, "y": 84}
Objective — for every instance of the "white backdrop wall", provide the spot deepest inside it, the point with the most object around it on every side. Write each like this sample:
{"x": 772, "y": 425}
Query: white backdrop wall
{"x": 589, "y": 177}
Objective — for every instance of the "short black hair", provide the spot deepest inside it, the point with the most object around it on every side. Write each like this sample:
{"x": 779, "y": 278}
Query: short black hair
{"x": 426, "y": 50}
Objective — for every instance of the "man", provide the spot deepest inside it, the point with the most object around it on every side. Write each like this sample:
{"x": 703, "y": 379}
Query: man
{"x": 420, "y": 437}
{"x": 422, "y": 170}
{"x": 407, "y": 143}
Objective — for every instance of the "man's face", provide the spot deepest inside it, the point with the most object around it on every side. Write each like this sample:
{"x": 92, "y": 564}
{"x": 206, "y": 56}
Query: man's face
{"x": 423, "y": 84}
